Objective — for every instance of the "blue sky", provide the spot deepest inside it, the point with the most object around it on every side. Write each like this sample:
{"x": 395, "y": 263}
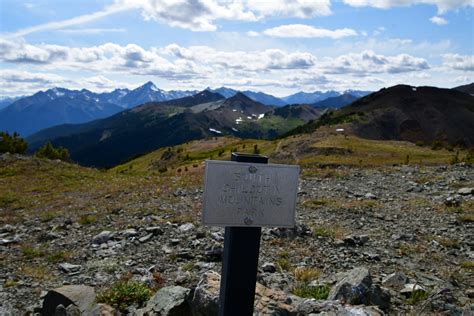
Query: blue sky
{"x": 277, "y": 46}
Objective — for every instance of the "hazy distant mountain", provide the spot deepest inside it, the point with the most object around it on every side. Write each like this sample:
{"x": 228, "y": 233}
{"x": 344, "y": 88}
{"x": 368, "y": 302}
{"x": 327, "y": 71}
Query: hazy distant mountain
{"x": 336, "y": 102}
{"x": 264, "y": 98}
{"x": 6, "y": 101}
{"x": 52, "y": 107}
{"x": 357, "y": 93}
{"x": 261, "y": 97}
{"x": 225, "y": 92}
{"x": 309, "y": 97}
{"x": 402, "y": 112}
{"x": 469, "y": 88}
{"x": 150, "y": 93}
{"x": 314, "y": 97}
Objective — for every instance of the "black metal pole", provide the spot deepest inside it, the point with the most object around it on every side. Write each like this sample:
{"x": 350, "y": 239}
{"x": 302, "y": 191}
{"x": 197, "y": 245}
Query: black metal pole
{"x": 239, "y": 265}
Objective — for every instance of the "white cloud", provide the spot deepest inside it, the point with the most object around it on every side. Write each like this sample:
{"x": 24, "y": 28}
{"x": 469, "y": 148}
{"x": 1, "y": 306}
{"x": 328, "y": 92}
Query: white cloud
{"x": 195, "y": 67}
{"x": 307, "y": 31}
{"x": 442, "y": 5}
{"x": 459, "y": 62}
{"x": 25, "y": 77}
{"x": 438, "y": 20}
{"x": 177, "y": 62}
{"x": 296, "y": 8}
{"x": 368, "y": 62}
{"x": 195, "y": 15}
{"x": 253, "y": 34}
{"x": 462, "y": 79}
{"x": 248, "y": 61}
{"x": 20, "y": 82}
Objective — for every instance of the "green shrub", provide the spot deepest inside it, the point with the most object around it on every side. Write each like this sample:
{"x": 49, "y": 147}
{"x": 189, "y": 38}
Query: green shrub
{"x": 87, "y": 219}
{"x": 31, "y": 253}
{"x": 455, "y": 158}
{"x": 417, "y": 296}
{"x": 58, "y": 256}
{"x": 123, "y": 294}
{"x": 13, "y": 144}
{"x": 48, "y": 151}
{"x": 437, "y": 144}
{"x": 323, "y": 231}
{"x": 162, "y": 169}
{"x": 319, "y": 292}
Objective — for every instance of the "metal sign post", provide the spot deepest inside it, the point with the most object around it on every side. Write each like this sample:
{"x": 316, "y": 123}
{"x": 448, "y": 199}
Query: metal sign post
{"x": 243, "y": 195}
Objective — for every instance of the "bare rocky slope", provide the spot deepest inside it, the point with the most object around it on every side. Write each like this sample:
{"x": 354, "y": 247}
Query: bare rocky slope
{"x": 393, "y": 239}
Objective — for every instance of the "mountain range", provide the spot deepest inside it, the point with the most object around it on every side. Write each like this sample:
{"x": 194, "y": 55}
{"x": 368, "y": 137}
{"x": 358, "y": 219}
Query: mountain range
{"x": 44, "y": 109}
{"x": 56, "y": 106}
{"x": 135, "y": 131}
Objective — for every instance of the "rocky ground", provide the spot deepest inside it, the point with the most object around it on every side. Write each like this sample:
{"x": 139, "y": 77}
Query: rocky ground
{"x": 401, "y": 237}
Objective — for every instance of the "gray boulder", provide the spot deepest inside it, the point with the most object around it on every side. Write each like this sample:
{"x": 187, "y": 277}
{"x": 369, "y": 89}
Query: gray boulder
{"x": 169, "y": 301}
{"x": 267, "y": 301}
{"x": 356, "y": 288}
{"x": 206, "y": 295}
{"x": 81, "y": 296}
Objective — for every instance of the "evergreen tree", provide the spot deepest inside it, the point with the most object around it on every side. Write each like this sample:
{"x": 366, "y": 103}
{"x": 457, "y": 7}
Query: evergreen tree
{"x": 13, "y": 144}
{"x": 48, "y": 151}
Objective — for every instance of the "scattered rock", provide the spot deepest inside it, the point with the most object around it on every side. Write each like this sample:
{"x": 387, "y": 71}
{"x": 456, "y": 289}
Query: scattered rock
{"x": 410, "y": 288}
{"x": 131, "y": 232}
{"x": 214, "y": 254}
{"x": 103, "y": 310}
{"x": 353, "y": 240}
{"x": 466, "y": 191}
{"x": 69, "y": 268}
{"x": 155, "y": 230}
{"x": 186, "y": 227}
{"x": 452, "y": 201}
{"x": 102, "y": 237}
{"x": 370, "y": 196}
{"x": 395, "y": 280}
{"x": 145, "y": 238}
{"x": 269, "y": 267}
{"x": 312, "y": 307}
{"x": 470, "y": 293}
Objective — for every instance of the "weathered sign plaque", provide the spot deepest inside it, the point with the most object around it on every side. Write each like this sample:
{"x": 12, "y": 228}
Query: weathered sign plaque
{"x": 249, "y": 194}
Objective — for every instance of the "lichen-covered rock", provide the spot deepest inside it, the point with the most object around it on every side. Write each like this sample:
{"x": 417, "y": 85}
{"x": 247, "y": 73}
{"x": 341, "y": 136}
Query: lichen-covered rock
{"x": 334, "y": 308}
{"x": 267, "y": 301}
{"x": 356, "y": 288}
{"x": 169, "y": 301}
{"x": 206, "y": 295}
{"x": 353, "y": 288}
